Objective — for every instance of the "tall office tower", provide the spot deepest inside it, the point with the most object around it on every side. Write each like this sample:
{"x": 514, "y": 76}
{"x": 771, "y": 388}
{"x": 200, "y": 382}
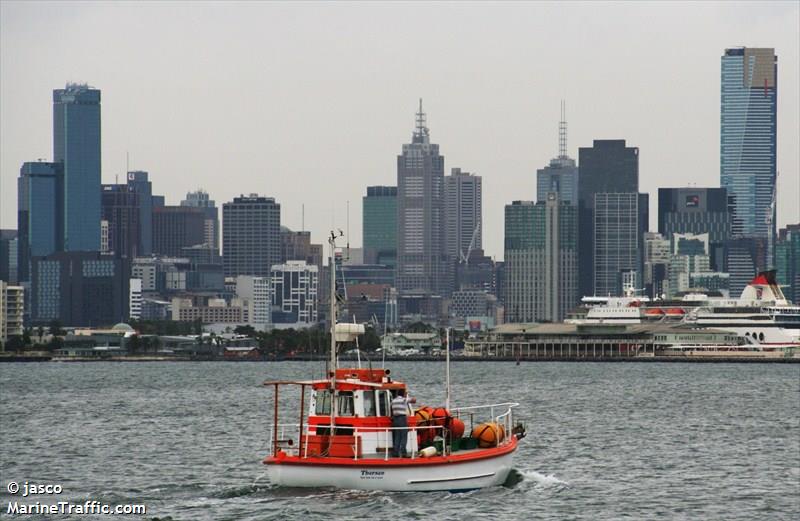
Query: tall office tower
{"x": 120, "y": 209}
{"x": 177, "y": 227}
{"x": 255, "y": 296}
{"x": 251, "y": 235}
{"x": 463, "y": 213}
{"x": 655, "y": 265}
{"x": 39, "y": 205}
{"x": 561, "y": 175}
{"x": 696, "y": 210}
{"x": 379, "y": 218}
{"x": 421, "y": 256}
{"x": 297, "y": 246}
{"x": 748, "y": 141}
{"x": 12, "y": 310}
{"x": 620, "y": 221}
{"x": 787, "y": 261}
{"x": 541, "y": 263}
{"x": 138, "y": 182}
{"x": 80, "y": 289}
{"x": 607, "y": 167}
{"x": 76, "y": 144}
{"x": 9, "y": 252}
{"x": 200, "y": 199}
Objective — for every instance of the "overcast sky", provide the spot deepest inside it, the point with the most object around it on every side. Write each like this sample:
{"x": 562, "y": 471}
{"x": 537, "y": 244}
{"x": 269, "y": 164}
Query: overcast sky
{"x": 311, "y": 102}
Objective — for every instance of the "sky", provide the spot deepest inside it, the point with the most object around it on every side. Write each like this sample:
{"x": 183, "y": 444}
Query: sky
{"x": 311, "y": 102}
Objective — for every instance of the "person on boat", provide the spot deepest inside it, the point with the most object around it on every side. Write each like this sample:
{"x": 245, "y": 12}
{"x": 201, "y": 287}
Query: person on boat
{"x": 400, "y": 408}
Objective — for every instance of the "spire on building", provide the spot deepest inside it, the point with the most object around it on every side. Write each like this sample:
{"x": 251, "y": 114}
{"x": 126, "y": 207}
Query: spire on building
{"x": 421, "y": 133}
{"x": 562, "y": 132}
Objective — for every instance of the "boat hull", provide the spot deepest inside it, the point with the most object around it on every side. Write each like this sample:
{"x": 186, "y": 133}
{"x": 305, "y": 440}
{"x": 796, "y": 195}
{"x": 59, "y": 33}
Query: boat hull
{"x": 415, "y": 475}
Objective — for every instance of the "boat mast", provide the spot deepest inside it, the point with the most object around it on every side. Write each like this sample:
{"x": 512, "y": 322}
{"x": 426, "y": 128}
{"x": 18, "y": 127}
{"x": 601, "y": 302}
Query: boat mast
{"x": 332, "y": 261}
{"x": 447, "y": 371}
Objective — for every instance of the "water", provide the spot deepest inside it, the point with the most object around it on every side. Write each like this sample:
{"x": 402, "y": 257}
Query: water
{"x": 606, "y": 441}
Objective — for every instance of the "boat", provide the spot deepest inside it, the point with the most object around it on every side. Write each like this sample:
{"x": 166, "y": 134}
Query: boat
{"x": 345, "y": 439}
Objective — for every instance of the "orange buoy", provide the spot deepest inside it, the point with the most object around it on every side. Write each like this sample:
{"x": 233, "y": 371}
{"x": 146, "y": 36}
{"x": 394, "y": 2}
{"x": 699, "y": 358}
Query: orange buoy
{"x": 456, "y": 428}
{"x": 489, "y": 434}
{"x": 423, "y": 416}
{"x": 440, "y": 416}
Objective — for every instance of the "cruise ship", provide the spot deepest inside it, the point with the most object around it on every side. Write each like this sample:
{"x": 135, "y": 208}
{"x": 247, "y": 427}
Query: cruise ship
{"x": 760, "y": 316}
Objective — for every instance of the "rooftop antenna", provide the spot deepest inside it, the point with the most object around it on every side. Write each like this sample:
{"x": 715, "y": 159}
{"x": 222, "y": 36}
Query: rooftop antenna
{"x": 562, "y": 131}
{"x": 303, "y": 217}
{"x": 422, "y": 129}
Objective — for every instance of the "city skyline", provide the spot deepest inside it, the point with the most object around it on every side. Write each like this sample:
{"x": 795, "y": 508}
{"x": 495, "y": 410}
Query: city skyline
{"x": 504, "y": 127}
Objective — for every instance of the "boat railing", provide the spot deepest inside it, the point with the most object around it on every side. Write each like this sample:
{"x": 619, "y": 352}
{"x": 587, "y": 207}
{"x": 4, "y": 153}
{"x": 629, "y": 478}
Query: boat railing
{"x": 478, "y": 413}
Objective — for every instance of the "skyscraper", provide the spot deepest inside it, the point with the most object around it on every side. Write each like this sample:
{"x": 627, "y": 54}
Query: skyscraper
{"x": 76, "y": 145}
{"x": 609, "y": 166}
{"x": 200, "y": 199}
{"x": 120, "y": 208}
{"x": 620, "y": 221}
{"x": 138, "y": 182}
{"x": 421, "y": 258}
{"x": 380, "y": 225}
{"x": 251, "y": 235}
{"x": 177, "y": 227}
{"x": 541, "y": 260}
{"x": 748, "y": 138}
{"x": 696, "y": 210}
{"x": 787, "y": 261}
{"x": 561, "y": 175}
{"x": 39, "y": 205}
{"x": 463, "y": 213}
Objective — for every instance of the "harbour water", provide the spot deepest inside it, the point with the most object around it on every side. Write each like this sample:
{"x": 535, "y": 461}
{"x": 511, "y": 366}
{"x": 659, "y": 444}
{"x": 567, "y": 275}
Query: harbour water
{"x": 605, "y": 441}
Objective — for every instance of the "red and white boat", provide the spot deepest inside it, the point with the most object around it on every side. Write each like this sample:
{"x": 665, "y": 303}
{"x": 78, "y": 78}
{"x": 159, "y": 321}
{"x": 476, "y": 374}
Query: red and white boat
{"x": 345, "y": 440}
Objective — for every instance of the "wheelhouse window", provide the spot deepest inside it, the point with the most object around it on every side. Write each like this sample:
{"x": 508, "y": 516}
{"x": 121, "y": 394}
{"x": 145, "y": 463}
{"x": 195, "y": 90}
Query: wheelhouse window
{"x": 346, "y": 405}
{"x": 369, "y": 403}
{"x": 323, "y": 400}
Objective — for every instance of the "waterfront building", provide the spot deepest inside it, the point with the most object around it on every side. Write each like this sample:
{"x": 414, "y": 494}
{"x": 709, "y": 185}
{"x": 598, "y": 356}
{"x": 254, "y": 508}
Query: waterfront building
{"x": 469, "y": 304}
{"x": 620, "y": 221}
{"x": 293, "y": 288}
{"x": 135, "y": 299}
{"x": 12, "y": 308}
{"x": 9, "y": 251}
{"x": 561, "y": 175}
{"x": 251, "y": 238}
{"x": 787, "y": 261}
{"x": 655, "y": 264}
{"x": 540, "y": 260}
{"x": 208, "y": 310}
{"x": 421, "y": 258}
{"x": 76, "y": 146}
{"x": 379, "y": 218}
{"x": 138, "y": 182}
{"x": 166, "y": 275}
{"x": 120, "y": 213}
{"x": 177, "y": 227}
{"x": 80, "y": 289}
{"x": 697, "y": 210}
{"x": 200, "y": 199}
{"x": 748, "y": 141}
{"x": 463, "y": 214}
{"x": 39, "y": 212}
{"x": 609, "y": 166}
{"x": 254, "y": 292}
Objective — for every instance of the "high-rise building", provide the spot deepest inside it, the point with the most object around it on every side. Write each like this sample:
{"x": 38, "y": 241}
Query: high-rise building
{"x": 421, "y": 257}
{"x": 787, "y": 261}
{"x": 255, "y": 296}
{"x": 139, "y": 183}
{"x": 135, "y": 299}
{"x": 540, "y": 260}
{"x": 748, "y": 139}
{"x": 251, "y": 236}
{"x": 561, "y": 175}
{"x": 689, "y": 256}
{"x": 39, "y": 213}
{"x": 744, "y": 258}
{"x": 696, "y": 210}
{"x": 620, "y": 221}
{"x": 120, "y": 209}
{"x": 80, "y": 289}
{"x": 609, "y": 166}
{"x": 463, "y": 213}
{"x": 9, "y": 252}
{"x": 655, "y": 264}
{"x": 379, "y": 217}
{"x": 293, "y": 288}
{"x": 298, "y": 246}
{"x": 12, "y": 307}
{"x": 177, "y": 227}
{"x": 200, "y": 199}
{"x": 76, "y": 145}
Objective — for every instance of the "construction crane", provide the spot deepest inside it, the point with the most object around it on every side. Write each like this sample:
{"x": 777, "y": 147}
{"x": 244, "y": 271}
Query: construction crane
{"x": 464, "y": 259}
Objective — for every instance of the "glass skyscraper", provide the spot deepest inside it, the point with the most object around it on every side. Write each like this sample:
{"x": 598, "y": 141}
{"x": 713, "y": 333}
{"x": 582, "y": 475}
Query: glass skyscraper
{"x": 76, "y": 145}
{"x": 748, "y": 130}
{"x": 380, "y": 225}
{"x": 38, "y": 213}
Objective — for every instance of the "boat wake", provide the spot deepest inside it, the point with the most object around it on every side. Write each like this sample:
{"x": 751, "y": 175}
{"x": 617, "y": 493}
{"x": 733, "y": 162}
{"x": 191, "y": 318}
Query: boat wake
{"x": 536, "y": 479}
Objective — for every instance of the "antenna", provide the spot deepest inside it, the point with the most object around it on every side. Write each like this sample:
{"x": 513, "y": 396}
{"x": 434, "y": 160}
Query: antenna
{"x": 303, "y": 217}
{"x": 422, "y": 129}
{"x": 562, "y": 131}
{"x": 348, "y": 231}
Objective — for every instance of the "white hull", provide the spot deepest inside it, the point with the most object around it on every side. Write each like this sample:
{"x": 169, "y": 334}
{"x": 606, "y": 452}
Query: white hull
{"x": 427, "y": 477}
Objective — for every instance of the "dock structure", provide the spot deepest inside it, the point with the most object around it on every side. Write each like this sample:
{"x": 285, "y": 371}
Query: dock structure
{"x": 566, "y": 341}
